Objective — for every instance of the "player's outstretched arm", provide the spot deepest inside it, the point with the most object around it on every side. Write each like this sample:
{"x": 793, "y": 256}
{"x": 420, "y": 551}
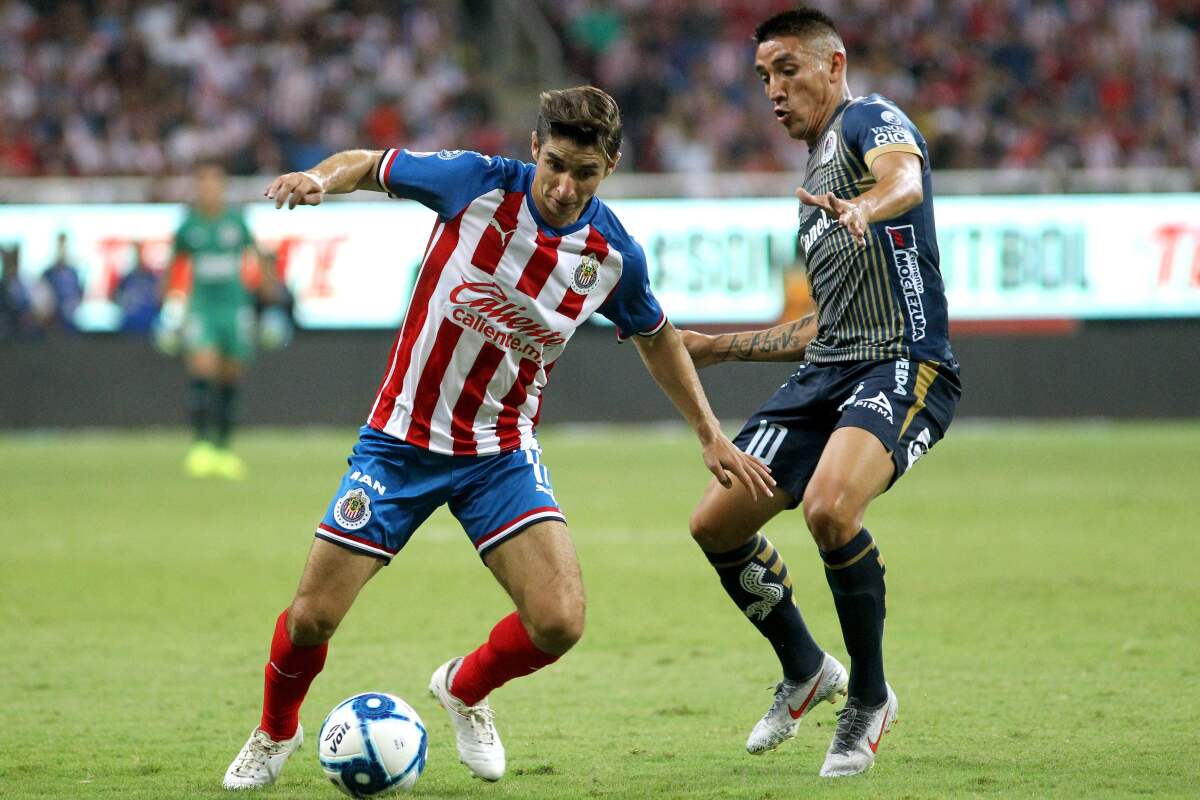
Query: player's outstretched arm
{"x": 341, "y": 173}
{"x": 668, "y": 362}
{"x": 785, "y": 342}
{"x": 897, "y": 189}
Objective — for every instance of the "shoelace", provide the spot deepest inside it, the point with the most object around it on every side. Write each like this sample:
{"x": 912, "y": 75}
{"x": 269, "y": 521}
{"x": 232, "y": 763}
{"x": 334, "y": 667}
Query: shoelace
{"x": 851, "y": 726}
{"x": 783, "y": 690}
{"x": 482, "y": 723}
{"x": 255, "y": 756}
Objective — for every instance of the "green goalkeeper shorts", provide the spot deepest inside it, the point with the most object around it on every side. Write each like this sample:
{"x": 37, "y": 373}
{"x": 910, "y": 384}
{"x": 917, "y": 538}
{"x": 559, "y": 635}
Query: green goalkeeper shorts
{"x": 228, "y": 330}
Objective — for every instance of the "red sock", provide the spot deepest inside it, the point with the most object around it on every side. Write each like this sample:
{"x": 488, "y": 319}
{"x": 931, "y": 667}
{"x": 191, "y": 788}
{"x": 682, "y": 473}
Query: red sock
{"x": 508, "y": 653}
{"x": 289, "y": 672}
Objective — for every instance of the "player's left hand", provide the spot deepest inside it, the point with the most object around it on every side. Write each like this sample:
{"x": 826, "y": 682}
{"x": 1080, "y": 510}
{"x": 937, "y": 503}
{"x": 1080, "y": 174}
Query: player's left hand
{"x": 296, "y": 189}
{"x": 848, "y": 214}
{"x": 723, "y": 460}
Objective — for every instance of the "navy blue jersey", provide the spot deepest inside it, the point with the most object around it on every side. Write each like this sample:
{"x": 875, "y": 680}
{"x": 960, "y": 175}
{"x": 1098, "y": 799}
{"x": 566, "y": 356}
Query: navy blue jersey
{"x": 884, "y": 300}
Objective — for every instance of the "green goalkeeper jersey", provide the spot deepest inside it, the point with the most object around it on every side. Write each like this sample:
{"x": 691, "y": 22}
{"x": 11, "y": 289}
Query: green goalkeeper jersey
{"x": 217, "y": 246}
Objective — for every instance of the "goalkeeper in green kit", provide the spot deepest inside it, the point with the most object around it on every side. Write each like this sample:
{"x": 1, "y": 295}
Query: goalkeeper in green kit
{"x": 219, "y": 326}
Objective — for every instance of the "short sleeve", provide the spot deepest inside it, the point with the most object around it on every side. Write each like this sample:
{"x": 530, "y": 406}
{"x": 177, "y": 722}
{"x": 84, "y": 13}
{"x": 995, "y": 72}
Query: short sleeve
{"x": 445, "y": 181}
{"x": 875, "y": 126}
{"x": 631, "y": 306}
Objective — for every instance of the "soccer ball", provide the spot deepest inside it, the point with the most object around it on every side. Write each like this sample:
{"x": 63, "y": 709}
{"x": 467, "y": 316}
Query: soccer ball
{"x": 373, "y": 744}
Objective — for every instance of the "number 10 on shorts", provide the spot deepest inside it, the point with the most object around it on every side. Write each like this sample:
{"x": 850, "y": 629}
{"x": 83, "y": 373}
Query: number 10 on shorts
{"x": 766, "y": 442}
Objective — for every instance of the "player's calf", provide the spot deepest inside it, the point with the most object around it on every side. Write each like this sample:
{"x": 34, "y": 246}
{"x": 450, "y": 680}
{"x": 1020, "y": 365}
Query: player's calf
{"x": 756, "y": 579}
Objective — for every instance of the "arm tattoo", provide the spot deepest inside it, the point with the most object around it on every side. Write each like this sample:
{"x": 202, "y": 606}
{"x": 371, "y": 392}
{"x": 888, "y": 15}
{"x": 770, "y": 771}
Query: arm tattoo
{"x": 781, "y": 343}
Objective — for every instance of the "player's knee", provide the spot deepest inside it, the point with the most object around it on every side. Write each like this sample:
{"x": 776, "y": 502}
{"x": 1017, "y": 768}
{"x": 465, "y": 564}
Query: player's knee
{"x": 713, "y": 534}
{"x": 556, "y": 627}
{"x": 705, "y": 530}
{"x": 309, "y": 624}
{"x": 832, "y": 518}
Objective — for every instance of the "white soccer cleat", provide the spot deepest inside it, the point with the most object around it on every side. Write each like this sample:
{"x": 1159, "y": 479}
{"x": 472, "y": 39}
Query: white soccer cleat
{"x": 261, "y": 760}
{"x": 475, "y": 733}
{"x": 792, "y": 701}
{"x": 856, "y": 739}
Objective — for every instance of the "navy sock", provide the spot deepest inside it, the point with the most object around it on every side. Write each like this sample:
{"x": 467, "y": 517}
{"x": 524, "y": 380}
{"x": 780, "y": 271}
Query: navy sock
{"x": 855, "y": 573}
{"x": 199, "y": 401}
{"x": 227, "y": 395}
{"x": 756, "y": 579}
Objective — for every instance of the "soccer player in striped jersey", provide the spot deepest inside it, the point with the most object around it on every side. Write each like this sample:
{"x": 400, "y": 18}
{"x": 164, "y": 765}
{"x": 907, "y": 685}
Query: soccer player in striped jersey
{"x": 520, "y": 255}
{"x": 878, "y": 386}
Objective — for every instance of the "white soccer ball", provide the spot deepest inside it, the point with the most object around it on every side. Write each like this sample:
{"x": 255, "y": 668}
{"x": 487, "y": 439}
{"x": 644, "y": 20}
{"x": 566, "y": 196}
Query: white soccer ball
{"x": 373, "y": 744}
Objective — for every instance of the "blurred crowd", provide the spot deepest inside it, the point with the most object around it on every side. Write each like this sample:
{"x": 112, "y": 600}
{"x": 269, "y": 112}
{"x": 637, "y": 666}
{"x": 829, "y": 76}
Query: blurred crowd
{"x": 118, "y": 87}
{"x": 991, "y": 83}
{"x": 50, "y": 302}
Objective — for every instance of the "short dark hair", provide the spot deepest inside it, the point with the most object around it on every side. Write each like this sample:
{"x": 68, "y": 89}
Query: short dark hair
{"x": 800, "y": 22}
{"x": 584, "y": 114}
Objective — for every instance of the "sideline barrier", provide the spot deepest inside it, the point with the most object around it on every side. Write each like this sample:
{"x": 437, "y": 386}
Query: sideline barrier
{"x": 351, "y": 265}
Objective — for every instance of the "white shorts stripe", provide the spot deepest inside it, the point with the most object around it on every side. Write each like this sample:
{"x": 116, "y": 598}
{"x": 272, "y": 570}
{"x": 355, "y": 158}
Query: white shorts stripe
{"x": 356, "y": 544}
{"x": 519, "y": 524}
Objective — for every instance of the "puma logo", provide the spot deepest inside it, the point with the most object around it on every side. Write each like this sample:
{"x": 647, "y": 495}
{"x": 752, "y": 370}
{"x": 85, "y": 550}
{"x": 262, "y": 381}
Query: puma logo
{"x": 504, "y": 235}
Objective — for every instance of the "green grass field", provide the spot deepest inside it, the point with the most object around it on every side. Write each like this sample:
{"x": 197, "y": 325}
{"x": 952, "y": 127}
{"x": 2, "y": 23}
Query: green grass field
{"x": 1042, "y": 631}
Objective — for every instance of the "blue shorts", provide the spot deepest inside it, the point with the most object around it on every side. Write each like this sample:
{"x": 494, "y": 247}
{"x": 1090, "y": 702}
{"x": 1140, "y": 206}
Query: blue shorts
{"x": 907, "y": 405}
{"x": 392, "y": 487}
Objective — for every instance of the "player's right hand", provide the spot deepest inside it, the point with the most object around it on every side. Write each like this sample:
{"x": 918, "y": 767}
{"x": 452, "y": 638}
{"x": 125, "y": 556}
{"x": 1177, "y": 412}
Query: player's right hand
{"x": 296, "y": 189}
{"x": 726, "y": 462}
{"x": 699, "y": 347}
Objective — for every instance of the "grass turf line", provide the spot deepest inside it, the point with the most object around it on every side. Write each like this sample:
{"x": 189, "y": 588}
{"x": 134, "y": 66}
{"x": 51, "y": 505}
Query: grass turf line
{"x": 1041, "y": 629}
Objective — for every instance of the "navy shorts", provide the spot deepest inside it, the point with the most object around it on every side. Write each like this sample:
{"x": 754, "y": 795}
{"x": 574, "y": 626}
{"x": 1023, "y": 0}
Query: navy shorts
{"x": 907, "y": 405}
{"x": 392, "y": 487}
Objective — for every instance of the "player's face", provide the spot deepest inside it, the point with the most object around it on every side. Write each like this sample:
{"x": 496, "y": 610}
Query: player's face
{"x": 799, "y": 82}
{"x": 567, "y": 176}
{"x": 210, "y": 189}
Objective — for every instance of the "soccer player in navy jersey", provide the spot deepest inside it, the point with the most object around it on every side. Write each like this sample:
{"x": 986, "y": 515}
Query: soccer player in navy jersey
{"x": 520, "y": 255}
{"x": 877, "y": 388}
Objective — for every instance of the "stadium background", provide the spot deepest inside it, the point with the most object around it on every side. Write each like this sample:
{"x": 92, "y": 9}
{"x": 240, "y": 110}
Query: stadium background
{"x": 115, "y": 101}
{"x": 1065, "y": 139}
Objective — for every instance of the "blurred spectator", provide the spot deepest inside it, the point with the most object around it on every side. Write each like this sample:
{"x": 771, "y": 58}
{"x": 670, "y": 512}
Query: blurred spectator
{"x": 137, "y": 295}
{"x": 16, "y": 307}
{"x": 59, "y": 291}
{"x": 116, "y": 87}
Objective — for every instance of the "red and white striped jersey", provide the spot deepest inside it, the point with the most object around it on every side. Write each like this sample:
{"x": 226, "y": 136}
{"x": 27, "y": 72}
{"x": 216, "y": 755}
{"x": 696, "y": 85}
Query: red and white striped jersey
{"x": 498, "y": 295}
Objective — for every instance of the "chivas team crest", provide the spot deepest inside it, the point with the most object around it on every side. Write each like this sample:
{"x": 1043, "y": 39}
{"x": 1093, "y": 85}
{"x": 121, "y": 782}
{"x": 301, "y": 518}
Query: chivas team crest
{"x": 586, "y": 274}
{"x": 353, "y": 509}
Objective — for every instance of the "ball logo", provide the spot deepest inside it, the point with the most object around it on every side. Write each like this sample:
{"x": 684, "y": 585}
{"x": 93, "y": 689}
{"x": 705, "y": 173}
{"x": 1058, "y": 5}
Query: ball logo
{"x": 448, "y": 155}
{"x": 586, "y": 275}
{"x": 828, "y": 147}
{"x": 890, "y": 117}
{"x": 353, "y": 509}
{"x": 333, "y": 739}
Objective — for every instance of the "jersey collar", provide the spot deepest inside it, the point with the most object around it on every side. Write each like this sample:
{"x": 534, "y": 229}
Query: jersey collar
{"x": 834, "y": 116}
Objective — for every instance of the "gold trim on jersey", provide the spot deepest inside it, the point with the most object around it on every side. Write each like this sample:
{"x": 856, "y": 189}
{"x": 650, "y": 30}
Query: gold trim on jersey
{"x": 898, "y": 147}
{"x": 926, "y": 375}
